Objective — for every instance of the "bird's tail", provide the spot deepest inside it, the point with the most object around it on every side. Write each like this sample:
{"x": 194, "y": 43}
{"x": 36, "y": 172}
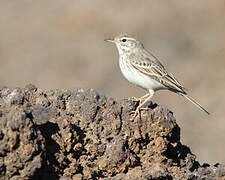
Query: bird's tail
{"x": 194, "y": 102}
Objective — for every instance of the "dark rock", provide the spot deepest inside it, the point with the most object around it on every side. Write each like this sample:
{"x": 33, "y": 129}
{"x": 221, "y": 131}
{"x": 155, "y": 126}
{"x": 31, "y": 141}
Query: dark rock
{"x": 21, "y": 143}
{"x": 81, "y": 134}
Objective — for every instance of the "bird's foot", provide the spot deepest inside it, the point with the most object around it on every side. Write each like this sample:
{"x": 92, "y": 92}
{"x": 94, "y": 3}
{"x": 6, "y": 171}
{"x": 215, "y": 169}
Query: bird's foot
{"x": 136, "y": 113}
{"x": 138, "y": 109}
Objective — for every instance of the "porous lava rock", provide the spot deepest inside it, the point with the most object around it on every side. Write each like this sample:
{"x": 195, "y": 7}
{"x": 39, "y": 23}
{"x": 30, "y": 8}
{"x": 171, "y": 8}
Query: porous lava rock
{"x": 81, "y": 134}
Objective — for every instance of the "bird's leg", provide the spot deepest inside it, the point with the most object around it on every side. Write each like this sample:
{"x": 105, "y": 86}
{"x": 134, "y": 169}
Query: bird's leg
{"x": 140, "y": 98}
{"x": 137, "y": 111}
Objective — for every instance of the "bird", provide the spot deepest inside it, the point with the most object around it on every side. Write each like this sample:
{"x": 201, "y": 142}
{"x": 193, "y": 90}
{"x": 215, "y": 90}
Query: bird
{"x": 143, "y": 69}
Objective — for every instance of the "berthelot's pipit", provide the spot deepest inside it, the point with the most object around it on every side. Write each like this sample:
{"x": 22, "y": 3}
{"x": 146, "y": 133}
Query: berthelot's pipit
{"x": 143, "y": 69}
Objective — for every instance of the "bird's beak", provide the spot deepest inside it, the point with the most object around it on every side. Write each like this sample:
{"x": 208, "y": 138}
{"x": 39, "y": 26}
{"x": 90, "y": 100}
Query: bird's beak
{"x": 110, "y": 40}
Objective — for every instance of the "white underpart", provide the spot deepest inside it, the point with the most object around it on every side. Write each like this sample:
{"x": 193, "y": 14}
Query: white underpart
{"x": 138, "y": 78}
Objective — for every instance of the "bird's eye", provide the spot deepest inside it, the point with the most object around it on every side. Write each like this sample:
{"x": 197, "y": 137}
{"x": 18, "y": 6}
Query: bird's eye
{"x": 124, "y": 40}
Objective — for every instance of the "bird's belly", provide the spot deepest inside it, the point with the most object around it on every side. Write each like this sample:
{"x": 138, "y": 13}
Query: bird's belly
{"x": 139, "y": 79}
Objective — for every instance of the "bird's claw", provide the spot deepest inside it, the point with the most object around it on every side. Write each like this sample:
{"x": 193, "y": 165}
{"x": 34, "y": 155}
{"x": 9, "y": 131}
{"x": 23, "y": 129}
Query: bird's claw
{"x": 137, "y": 112}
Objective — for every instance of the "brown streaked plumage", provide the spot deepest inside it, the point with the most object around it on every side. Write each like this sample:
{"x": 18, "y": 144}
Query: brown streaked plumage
{"x": 143, "y": 69}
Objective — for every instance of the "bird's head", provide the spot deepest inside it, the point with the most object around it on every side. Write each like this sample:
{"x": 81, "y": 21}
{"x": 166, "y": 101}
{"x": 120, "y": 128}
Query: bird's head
{"x": 126, "y": 43}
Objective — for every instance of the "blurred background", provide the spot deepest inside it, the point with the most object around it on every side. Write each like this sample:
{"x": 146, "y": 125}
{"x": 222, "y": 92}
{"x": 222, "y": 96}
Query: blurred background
{"x": 59, "y": 44}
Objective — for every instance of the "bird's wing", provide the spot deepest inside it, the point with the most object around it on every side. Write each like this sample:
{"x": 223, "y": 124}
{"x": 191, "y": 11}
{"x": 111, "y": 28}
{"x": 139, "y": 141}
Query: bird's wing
{"x": 152, "y": 67}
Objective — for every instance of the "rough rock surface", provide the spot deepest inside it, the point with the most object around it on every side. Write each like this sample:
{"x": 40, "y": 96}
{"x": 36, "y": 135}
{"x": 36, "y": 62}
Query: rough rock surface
{"x": 81, "y": 134}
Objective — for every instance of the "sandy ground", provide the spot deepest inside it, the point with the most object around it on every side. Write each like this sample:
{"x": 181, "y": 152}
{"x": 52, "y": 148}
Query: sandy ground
{"x": 59, "y": 44}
